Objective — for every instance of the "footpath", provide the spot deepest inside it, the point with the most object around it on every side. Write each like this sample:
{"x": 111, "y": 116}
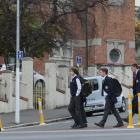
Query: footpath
{"x": 31, "y": 117}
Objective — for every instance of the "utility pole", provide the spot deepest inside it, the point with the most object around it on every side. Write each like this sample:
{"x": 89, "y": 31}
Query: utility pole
{"x": 17, "y": 111}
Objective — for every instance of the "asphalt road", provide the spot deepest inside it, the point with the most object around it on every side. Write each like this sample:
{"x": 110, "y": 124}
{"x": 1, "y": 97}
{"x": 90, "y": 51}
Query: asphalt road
{"x": 62, "y": 131}
{"x": 88, "y": 134}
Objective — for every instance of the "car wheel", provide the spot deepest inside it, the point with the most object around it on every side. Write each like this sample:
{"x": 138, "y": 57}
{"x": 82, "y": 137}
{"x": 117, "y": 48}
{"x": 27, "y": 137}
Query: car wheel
{"x": 89, "y": 114}
{"x": 124, "y": 106}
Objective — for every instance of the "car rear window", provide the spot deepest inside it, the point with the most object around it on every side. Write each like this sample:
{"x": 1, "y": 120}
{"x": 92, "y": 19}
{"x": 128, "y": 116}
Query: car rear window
{"x": 95, "y": 84}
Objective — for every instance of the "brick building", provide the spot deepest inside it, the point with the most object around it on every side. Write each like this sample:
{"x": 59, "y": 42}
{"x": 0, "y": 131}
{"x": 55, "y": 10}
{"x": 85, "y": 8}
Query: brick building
{"x": 114, "y": 39}
{"x": 110, "y": 41}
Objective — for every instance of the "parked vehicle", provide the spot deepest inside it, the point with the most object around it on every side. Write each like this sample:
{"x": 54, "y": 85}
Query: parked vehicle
{"x": 96, "y": 102}
{"x": 2, "y": 67}
{"x": 37, "y": 77}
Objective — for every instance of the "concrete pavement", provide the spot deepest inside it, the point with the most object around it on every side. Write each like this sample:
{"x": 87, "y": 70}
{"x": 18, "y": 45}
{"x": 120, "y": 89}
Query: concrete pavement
{"x": 31, "y": 117}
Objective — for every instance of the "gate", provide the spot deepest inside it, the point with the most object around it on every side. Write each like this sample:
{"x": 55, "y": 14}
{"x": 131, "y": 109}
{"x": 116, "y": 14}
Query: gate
{"x": 39, "y": 92}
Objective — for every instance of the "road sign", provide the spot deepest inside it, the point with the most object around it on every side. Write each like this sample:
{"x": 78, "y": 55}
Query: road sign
{"x": 20, "y": 55}
{"x": 78, "y": 60}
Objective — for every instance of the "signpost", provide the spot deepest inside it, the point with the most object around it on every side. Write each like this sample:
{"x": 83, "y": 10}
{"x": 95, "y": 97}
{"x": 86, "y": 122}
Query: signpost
{"x": 78, "y": 60}
{"x": 20, "y": 55}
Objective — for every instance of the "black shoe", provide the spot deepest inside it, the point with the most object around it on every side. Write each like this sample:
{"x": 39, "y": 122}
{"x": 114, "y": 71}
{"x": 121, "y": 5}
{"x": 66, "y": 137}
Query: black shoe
{"x": 86, "y": 125}
{"x": 99, "y": 124}
{"x": 80, "y": 126}
{"x": 125, "y": 120}
{"x": 74, "y": 125}
{"x": 118, "y": 125}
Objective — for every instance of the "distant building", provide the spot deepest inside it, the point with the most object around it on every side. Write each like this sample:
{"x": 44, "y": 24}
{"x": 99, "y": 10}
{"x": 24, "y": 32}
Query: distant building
{"x": 137, "y": 20}
{"x": 114, "y": 39}
{"x": 110, "y": 42}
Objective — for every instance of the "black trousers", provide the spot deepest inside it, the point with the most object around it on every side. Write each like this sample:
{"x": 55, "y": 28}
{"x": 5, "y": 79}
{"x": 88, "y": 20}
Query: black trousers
{"x": 84, "y": 119}
{"x": 110, "y": 107}
{"x": 135, "y": 105}
{"x": 76, "y": 109}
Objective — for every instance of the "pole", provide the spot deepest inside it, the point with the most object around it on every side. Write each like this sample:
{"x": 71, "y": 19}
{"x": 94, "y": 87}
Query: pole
{"x": 17, "y": 112}
{"x": 86, "y": 37}
{"x": 42, "y": 122}
{"x": 139, "y": 109}
{"x": 130, "y": 119}
{"x": 1, "y": 125}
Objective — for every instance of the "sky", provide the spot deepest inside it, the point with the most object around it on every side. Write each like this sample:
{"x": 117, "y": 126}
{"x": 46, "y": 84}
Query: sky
{"x": 137, "y": 2}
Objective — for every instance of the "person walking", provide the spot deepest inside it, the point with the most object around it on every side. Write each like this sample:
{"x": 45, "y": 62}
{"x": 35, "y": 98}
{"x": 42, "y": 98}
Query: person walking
{"x": 76, "y": 107}
{"x": 110, "y": 99}
{"x": 136, "y": 89}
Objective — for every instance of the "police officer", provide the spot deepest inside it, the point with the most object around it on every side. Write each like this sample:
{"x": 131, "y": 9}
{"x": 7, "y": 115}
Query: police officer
{"x": 110, "y": 99}
{"x": 75, "y": 107}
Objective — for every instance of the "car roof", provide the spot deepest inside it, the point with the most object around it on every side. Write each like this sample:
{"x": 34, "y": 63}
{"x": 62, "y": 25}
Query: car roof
{"x": 93, "y": 77}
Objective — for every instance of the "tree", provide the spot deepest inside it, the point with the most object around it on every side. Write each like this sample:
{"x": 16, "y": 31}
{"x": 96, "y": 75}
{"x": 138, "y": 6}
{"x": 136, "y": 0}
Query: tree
{"x": 44, "y": 24}
{"x": 137, "y": 29}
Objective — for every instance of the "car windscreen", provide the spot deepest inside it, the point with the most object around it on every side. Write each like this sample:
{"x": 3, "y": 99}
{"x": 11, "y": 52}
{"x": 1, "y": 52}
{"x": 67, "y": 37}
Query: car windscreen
{"x": 94, "y": 83}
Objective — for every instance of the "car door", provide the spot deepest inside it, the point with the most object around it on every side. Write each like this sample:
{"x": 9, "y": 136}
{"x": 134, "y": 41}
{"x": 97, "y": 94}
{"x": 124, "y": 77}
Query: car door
{"x": 96, "y": 100}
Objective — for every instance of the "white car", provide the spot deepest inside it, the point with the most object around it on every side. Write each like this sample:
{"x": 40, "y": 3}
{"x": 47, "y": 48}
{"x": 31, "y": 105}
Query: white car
{"x": 96, "y": 102}
{"x": 37, "y": 78}
{"x": 2, "y": 67}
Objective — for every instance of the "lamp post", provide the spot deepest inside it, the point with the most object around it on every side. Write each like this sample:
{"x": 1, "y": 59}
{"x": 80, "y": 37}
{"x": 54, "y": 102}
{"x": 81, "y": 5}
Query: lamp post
{"x": 17, "y": 111}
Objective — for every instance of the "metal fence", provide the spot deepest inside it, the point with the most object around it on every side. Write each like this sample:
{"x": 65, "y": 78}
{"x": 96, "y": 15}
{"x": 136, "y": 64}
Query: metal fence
{"x": 39, "y": 92}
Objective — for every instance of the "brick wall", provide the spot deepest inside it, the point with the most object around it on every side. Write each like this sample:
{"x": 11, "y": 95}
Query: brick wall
{"x": 1, "y": 60}
{"x": 115, "y": 23}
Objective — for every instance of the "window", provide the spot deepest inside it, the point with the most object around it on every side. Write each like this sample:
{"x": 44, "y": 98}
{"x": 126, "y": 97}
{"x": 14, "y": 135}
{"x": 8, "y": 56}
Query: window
{"x": 95, "y": 84}
{"x": 115, "y": 2}
{"x": 115, "y": 55}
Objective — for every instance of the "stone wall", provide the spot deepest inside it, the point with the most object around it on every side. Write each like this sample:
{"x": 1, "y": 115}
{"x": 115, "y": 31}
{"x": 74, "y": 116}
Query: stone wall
{"x": 7, "y": 88}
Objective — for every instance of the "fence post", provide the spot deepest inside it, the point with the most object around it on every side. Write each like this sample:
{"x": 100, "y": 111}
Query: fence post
{"x": 130, "y": 119}
{"x": 138, "y": 108}
{"x": 40, "y": 111}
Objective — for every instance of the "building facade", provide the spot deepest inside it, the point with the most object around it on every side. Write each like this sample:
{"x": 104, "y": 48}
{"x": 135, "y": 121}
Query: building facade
{"x": 106, "y": 37}
{"x": 113, "y": 41}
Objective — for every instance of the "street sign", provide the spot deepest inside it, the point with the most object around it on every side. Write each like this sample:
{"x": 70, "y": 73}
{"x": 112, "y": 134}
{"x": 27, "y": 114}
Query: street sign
{"x": 20, "y": 55}
{"x": 78, "y": 60}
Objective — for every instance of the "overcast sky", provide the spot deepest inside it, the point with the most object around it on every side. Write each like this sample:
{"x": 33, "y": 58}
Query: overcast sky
{"x": 137, "y": 2}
